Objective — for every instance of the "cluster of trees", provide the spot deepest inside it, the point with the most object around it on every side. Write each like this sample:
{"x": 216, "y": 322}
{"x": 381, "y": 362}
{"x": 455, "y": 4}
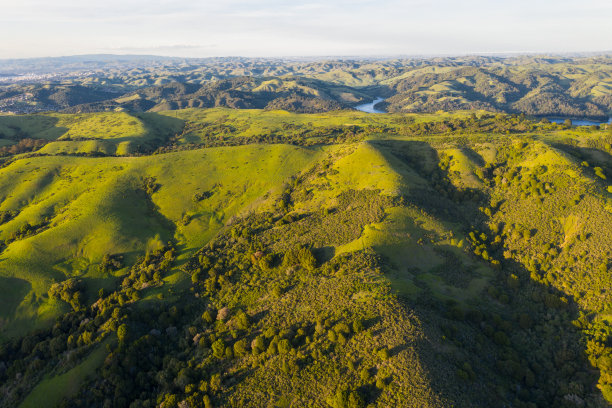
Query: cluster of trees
{"x": 300, "y": 255}
{"x": 111, "y": 263}
{"x": 484, "y": 123}
{"x": 70, "y": 291}
{"x": 150, "y": 185}
{"x": 215, "y": 135}
{"x": 27, "y": 230}
{"x": 22, "y": 146}
{"x": 92, "y": 325}
{"x": 528, "y": 181}
{"x": 295, "y": 102}
{"x": 197, "y": 197}
{"x": 599, "y": 351}
{"x": 6, "y": 216}
{"x": 149, "y": 270}
{"x": 484, "y": 247}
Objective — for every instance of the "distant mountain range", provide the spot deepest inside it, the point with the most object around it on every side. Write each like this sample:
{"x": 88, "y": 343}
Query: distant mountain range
{"x": 534, "y": 85}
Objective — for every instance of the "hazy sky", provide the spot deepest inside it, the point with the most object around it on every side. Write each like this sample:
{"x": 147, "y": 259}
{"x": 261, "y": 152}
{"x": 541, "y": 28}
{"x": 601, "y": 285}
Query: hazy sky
{"x": 201, "y": 28}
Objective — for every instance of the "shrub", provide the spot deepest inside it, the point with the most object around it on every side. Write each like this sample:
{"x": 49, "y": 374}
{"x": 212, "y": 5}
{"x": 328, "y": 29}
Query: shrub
{"x": 300, "y": 255}
{"x": 383, "y": 353}
{"x": 218, "y": 348}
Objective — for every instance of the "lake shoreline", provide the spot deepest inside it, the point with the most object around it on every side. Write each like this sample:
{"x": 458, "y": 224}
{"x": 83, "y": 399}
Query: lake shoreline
{"x": 578, "y": 121}
{"x": 370, "y": 107}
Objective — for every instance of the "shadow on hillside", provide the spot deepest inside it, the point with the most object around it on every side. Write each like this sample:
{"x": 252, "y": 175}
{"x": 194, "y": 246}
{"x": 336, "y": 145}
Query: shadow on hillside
{"x": 515, "y": 341}
{"x": 20, "y": 127}
{"x": 159, "y": 130}
{"x": 12, "y": 292}
{"x": 473, "y": 156}
{"x": 594, "y": 157}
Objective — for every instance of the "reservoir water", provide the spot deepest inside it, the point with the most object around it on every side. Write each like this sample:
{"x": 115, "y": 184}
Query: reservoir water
{"x": 369, "y": 107}
{"x": 580, "y": 122}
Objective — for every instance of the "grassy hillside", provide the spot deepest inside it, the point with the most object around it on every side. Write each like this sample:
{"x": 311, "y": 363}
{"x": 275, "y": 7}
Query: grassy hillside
{"x": 77, "y": 210}
{"x": 255, "y": 258}
{"x": 113, "y": 134}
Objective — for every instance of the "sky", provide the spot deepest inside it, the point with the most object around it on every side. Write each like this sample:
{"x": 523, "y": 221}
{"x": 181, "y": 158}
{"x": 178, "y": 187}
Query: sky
{"x": 270, "y": 28}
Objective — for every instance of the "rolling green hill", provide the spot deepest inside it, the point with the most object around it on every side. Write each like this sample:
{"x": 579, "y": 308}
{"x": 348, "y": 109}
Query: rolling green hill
{"x": 91, "y": 133}
{"x": 256, "y": 258}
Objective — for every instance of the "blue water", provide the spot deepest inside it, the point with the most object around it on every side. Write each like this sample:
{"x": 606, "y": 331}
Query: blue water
{"x": 369, "y": 107}
{"x": 579, "y": 122}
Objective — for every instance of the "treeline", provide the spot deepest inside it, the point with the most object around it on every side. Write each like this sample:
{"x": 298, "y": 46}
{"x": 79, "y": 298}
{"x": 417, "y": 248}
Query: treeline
{"x": 215, "y": 135}
{"x": 22, "y": 146}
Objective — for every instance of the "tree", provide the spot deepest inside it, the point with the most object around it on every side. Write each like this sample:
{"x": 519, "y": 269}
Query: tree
{"x": 258, "y": 345}
{"x": 122, "y": 333}
{"x": 345, "y": 398}
{"x": 358, "y": 325}
{"x": 240, "y": 348}
{"x": 242, "y": 320}
{"x": 383, "y": 353}
{"x": 365, "y": 375}
{"x": 284, "y": 346}
{"x": 207, "y": 317}
{"x": 218, "y": 348}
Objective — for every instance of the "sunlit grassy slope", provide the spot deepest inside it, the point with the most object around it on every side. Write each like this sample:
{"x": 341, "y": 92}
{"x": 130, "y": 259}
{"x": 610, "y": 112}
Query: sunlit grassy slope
{"x": 469, "y": 232}
{"x": 115, "y": 133}
{"x": 223, "y": 122}
{"x": 95, "y": 207}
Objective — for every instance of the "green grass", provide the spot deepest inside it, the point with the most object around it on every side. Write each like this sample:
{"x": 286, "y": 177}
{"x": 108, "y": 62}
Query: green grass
{"x": 239, "y": 178}
{"x": 52, "y": 390}
{"x": 97, "y": 207}
{"x": 463, "y": 167}
{"x": 111, "y": 133}
{"x": 403, "y": 206}
{"x": 34, "y": 126}
{"x": 104, "y": 125}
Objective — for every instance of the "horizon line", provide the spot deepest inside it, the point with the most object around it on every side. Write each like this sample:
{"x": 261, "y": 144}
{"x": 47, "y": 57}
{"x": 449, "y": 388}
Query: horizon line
{"x": 337, "y": 56}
